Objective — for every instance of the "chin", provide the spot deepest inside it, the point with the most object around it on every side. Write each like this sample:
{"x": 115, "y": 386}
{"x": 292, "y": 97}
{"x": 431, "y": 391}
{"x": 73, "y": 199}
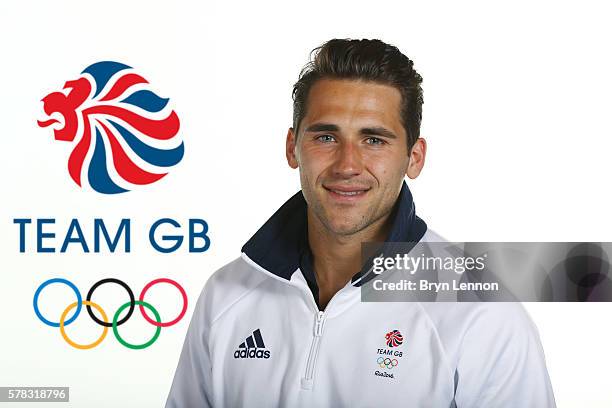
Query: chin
{"x": 345, "y": 228}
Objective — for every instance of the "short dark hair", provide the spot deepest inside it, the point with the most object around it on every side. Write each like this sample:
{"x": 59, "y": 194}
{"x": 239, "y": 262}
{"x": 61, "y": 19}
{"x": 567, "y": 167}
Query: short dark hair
{"x": 368, "y": 60}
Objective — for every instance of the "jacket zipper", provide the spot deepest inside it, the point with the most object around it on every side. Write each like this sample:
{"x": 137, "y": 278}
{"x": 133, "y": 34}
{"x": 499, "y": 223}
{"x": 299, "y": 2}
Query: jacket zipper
{"x": 314, "y": 351}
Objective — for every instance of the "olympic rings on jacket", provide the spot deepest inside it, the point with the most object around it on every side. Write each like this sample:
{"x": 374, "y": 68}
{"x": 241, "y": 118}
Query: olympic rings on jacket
{"x": 387, "y": 362}
{"x": 105, "y": 323}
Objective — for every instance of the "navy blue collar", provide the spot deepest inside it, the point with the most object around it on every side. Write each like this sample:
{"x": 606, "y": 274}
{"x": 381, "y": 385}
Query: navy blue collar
{"x": 281, "y": 246}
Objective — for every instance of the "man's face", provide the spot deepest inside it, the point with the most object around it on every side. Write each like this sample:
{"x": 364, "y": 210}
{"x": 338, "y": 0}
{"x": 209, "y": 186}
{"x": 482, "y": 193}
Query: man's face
{"x": 351, "y": 152}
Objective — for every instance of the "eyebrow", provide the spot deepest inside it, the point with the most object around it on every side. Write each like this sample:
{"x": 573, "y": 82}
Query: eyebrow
{"x": 378, "y": 131}
{"x": 368, "y": 131}
{"x": 322, "y": 127}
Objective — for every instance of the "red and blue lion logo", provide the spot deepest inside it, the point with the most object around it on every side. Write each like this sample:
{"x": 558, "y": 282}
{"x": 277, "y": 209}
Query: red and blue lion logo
{"x": 124, "y": 135}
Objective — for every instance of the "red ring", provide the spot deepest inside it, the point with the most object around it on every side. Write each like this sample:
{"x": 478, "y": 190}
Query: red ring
{"x": 183, "y": 293}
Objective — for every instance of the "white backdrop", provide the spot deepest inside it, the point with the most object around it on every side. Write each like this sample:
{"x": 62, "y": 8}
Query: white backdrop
{"x": 516, "y": 116}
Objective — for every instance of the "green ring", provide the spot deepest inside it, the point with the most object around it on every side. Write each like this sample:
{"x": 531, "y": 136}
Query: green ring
{"x": 136, "y": 346}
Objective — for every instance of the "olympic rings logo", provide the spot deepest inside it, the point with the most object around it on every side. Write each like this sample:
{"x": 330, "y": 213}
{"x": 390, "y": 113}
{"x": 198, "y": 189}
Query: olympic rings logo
{"x": 387, "y": 362}
{"x": 115, "y": 322}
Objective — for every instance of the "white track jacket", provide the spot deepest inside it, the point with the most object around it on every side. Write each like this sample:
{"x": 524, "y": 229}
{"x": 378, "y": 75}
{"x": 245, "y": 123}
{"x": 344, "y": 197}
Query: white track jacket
{"x": 258, "y": 339}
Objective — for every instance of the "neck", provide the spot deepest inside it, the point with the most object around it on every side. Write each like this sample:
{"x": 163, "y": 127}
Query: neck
{"x": 338, "y": 257}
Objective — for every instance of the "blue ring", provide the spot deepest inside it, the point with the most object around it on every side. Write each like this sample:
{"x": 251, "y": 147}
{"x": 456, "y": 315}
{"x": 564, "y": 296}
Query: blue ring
{"x": 72, "y": 286}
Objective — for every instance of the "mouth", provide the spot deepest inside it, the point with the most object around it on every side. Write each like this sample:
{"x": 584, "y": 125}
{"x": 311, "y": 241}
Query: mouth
{"x": 346, "y": 193}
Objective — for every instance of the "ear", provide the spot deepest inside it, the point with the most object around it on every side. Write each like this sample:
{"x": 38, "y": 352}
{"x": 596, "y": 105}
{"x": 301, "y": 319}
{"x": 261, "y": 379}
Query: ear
{"x": 417, "y": 158}
{"x": 290, "y": 149}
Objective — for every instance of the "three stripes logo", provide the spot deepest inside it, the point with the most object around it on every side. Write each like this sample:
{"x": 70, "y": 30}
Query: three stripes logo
{"x": 252, "y": 347}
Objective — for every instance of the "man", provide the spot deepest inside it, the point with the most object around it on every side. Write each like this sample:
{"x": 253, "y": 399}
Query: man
{"x": 284, "y": 325}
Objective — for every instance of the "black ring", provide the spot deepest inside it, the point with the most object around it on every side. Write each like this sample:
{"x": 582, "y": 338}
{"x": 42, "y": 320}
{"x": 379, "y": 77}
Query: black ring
{"x": 129, "y": 291}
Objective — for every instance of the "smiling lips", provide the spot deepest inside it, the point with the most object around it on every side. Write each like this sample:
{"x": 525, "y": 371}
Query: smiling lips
{"x": 346, "y": 193}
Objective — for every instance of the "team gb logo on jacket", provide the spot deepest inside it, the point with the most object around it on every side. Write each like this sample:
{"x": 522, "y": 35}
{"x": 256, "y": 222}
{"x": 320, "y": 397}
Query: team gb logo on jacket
{"x": 123, "y": 135}
{"x": 394, "y": 338}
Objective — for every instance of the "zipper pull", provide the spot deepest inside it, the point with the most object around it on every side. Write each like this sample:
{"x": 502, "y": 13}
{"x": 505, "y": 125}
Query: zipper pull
{"x": 318, "y": 329}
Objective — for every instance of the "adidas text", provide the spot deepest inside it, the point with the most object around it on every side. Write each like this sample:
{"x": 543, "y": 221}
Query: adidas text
{"x": 252, "y": 353}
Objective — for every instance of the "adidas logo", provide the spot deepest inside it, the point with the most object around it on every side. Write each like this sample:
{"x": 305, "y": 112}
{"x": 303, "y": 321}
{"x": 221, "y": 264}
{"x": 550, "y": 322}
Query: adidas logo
{"x": 252, "y": 347}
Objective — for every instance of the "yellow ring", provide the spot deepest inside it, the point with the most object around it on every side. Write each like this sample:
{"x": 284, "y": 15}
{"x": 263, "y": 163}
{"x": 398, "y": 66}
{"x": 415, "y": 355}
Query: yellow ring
{"x": 83, "y": 346}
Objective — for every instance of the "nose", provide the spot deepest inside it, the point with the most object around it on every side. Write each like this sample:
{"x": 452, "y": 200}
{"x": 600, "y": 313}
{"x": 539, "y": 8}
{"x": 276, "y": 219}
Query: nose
{"x": 348, "y": 161}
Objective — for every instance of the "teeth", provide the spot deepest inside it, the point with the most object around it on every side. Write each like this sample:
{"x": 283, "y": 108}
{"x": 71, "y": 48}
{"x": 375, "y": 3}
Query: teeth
{"x": 347, "y": 193}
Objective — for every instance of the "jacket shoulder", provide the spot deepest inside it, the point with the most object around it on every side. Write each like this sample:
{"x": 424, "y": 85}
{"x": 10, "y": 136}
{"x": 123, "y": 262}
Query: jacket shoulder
{"x": 432, "y": 236}
{"x": 479, "y": 325}
{"x": 227, "y": 286}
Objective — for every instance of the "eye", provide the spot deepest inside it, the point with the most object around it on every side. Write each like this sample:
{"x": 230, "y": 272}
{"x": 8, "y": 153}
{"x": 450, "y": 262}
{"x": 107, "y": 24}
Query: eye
{"x": 326, "y": 138}
{"x": 374, "y": 141}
